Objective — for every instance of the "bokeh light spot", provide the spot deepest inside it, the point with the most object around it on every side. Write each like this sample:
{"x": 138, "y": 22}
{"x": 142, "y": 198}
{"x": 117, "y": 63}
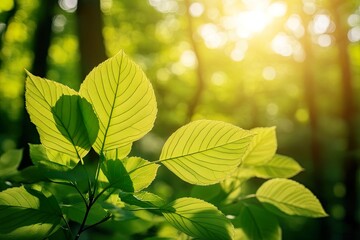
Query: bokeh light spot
{"x": 68, "y": 5}
{"x": 321, "y": 23}
{"x": 218, "y": 78}
{"x": 277, "y": 9}
{"x": 324, "y": 40}
{"x": 281, "y": 45}
{"x": 272, "y": 109}
{"x": 269, "y": 73}
{"x": 165, "y": 6}
{"x": 294, "y": 24}
{"x": 339, "y": 190}
{"x": 302, "y": 115}
{"x": 188, "y": 59}
{"x": 354, "y": 34}
{"x": 196, "y": 9}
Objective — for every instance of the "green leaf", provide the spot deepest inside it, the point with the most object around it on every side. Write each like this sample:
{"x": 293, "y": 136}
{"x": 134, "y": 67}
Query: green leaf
{"x": 116, "y": 207}
{"x": 205, "y": 152}
{"x": 28, "y": 214}
{"x": 54, "y": 109}
{"x": 262, "y": 147}
{"x": 116, "y": 174}
{"x": 118, "y": 153}
{"x": 53, "y": 165}
{"x": 258, "y": 224}
{"x": 290, "y": 197}
{"x": 142, "y": 172}
{"x": 207, "y": 193}
{"x": 9, "y": 162}
{"x": 76, "y": 212}
{"x": 130, "y": 174}
{"x": 50, "y": 164}
{"x": 198, "y": 219}
{"x": 39, "y": 153}
{"x": 278, "y": 167}
{"x": 143, "y": 199}
{"x": 123, "y": 100}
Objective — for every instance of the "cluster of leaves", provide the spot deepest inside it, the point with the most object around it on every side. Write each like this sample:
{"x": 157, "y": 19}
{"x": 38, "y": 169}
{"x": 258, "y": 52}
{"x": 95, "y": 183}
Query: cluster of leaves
{"x": 82, "y": 172}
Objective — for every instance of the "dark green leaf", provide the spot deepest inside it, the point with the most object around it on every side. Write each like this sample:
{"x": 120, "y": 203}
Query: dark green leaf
{"x": 258, "y": 224}
{"x": 28, "y": 214}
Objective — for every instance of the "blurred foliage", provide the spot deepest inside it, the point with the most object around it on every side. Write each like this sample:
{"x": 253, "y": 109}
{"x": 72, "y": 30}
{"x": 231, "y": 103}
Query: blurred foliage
{"x": 255, "y": 55}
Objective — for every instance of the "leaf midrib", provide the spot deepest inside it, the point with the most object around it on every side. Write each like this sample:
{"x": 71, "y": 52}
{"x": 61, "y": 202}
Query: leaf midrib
{"x": 55, "y": 115}
{"x": 113, "y": 105}
{"x": 201, "y": 151}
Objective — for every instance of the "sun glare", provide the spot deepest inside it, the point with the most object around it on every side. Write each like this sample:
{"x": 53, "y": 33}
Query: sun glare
{"x": 239, "y": 23}
{"x": 258, "y": 15}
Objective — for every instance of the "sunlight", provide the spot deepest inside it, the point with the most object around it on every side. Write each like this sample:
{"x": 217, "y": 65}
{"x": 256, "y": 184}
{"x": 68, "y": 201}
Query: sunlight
{"x": 255, "y": 19}
{"x": 281, "y": 44}
{"x": 188, "y": 59}
{"x": 212, "y": 36}
{"x": 294, "y": 24}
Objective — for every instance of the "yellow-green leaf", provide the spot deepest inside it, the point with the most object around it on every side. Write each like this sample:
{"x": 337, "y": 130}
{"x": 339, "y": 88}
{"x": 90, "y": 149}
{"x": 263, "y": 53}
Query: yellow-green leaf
{"x": 205, "y": 152}
{"x": 198, "y": 219}
{"x": 130, "y": 174}
{"x": 54, "y": 109}
{"x": 290, "y": 197}
{"x": 278, "y": 167}
{"x": 262, "y": 148}
{"x": 123, "y": 100}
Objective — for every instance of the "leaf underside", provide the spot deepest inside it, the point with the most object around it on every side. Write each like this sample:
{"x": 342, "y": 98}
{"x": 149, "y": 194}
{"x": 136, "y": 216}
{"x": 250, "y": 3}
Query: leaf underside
{"x": 290, "y": 197}
{"x": 123, "y": 101}
{"x": 205, "y": 152}
{"x": 278, "y": 167}
{"x": 262, "y": 148}
{"x": 54, "y": 109}
{"x": 198, "y": 219}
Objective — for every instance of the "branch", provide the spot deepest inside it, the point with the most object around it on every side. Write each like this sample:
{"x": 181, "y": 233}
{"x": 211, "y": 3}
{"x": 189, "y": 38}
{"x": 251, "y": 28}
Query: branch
{"x": 199, "y": 70}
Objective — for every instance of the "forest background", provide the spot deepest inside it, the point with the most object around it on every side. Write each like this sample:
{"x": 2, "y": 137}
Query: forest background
{"x": 290, "y": 64}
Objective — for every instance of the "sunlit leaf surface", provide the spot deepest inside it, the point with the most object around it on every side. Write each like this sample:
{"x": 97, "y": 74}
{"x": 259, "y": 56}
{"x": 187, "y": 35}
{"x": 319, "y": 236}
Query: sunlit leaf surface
{"x": 290, "y": 197}
{"x": 278, "y": 167}
{"x": 123, "y": 100}
{"x": 130, "y": 174}
{"x": 262, "y": 147}
{"x": 205, "y": 152}
{"x": 198, "y": 219}
{"x": 54, "y": 109}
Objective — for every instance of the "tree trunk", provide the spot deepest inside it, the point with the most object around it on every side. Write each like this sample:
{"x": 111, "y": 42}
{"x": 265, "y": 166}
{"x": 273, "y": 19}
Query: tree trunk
{"x": 348, "y": 113}
{"x": 310, "y": 92}
{"x": 91, "y": 43}
{"x": 41, "y": 43}
{"x": 199, "y": 69}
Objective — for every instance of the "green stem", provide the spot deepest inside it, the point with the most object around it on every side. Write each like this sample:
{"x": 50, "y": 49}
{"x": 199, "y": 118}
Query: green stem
{"x": 97, "y": 174}
{"x": 95, "y": 224}
{"x": 93, "y": 197}
{"x": 67, "y": 229}
{"x": 82, "y": 226}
